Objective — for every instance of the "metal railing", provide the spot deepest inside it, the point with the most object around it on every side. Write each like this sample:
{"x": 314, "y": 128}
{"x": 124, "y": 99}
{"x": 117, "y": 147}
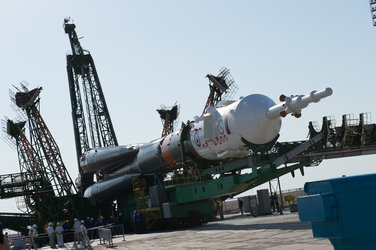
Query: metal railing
{"x": 102, "y": 233}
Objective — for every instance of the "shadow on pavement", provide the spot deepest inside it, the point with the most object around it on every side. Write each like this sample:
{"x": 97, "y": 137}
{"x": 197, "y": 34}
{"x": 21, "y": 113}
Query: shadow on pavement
{"x": 279, "y": 225}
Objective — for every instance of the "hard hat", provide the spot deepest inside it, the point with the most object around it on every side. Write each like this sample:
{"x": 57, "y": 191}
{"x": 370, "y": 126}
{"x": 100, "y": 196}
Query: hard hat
{"x": 50, "y": 223}
{"x": 75, "y": 219}
{"x": 82, "y": 221}
{"x": 58, "y": 223}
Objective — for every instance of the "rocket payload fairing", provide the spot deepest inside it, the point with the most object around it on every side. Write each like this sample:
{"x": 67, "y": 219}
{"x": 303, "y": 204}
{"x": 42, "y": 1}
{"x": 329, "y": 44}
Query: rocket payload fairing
{"x": 224, "y": 131}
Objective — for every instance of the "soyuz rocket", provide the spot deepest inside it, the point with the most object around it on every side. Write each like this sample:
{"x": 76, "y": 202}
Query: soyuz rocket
{"x": 222, "y": 132}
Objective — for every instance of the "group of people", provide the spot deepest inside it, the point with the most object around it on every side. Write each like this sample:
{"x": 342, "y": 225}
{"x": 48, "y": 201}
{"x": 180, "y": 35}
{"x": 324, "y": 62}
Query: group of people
{"x": 274, "y": 203}
{"x": 139, "y": 221}
{"x": 51, "y": 232}
{"x": 58, "y": 232}
{"x": 80, "y": 227}
{"x": 80, "y": 233}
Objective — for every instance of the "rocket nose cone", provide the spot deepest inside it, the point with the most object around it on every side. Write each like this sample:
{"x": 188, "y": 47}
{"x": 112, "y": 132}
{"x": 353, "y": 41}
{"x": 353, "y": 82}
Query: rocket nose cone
{"x": 251, "y": 121}
{"x": 87, "y": 193}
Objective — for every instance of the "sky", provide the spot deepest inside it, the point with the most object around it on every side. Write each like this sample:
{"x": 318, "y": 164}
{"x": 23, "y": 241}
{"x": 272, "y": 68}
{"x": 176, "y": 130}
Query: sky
{"x": 149, "y": 53}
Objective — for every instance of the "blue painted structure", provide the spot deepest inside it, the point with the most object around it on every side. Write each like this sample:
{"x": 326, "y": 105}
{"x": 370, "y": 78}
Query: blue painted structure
{"x": 343, "y": 210}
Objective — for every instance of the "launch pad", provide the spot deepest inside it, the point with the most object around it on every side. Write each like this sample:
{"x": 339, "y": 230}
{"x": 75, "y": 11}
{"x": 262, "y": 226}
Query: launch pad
{"x": 179, "y": 179}
{"x": 284, "y": 232}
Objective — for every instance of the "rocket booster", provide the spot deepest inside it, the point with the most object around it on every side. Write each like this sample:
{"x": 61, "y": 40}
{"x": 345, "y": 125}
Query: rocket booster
{"x": 106, "y": 159}
{"x": 224, "y": 131}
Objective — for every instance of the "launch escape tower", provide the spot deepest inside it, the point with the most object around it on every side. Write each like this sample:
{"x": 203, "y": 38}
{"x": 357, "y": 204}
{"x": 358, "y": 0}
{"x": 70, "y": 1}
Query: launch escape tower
{"x": 82, "y": 76}
{"x": 168, "y": 117}
{"x": 222, "y": 87}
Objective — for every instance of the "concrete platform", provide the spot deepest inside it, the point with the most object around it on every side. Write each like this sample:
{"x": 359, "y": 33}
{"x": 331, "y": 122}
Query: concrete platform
{"x": 234, "y": 232}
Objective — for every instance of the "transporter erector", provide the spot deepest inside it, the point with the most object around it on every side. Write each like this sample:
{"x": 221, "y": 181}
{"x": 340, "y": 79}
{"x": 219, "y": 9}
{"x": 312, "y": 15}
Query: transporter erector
{"x": 226, "y": 131}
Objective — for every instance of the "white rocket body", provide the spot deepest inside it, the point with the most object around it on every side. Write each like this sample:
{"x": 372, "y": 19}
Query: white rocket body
{"x": 217, "y": 134}
{"x": 220, "y": 132}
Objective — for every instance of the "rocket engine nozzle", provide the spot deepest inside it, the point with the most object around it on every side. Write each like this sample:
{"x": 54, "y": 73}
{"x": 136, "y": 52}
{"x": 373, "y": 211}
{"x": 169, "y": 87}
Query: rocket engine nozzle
{"x": 295, "y": 104}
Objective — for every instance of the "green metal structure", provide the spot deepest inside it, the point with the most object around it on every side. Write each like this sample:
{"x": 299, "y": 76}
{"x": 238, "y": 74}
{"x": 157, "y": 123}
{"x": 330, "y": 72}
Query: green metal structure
{"x": 192, "y": 196}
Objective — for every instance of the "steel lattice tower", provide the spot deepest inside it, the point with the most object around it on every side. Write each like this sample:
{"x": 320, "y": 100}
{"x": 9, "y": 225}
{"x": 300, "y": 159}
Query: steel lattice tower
{"x": 36, "y": 186}
{"x": 82, "y": 74}
{"x": 44, "y": 142}
{"x": 373, "y": 11}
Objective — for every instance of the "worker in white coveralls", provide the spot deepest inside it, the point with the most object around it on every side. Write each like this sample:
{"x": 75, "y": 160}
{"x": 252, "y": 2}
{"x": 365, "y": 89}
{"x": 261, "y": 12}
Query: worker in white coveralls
{"x": 51, "y": 234}
{"x": 37, "y": 243}
{"x": 59, "y": 235}
{"x": 32, "y": 238}
{"x": 77, "y": 232}
{"x": 85, "y": 237}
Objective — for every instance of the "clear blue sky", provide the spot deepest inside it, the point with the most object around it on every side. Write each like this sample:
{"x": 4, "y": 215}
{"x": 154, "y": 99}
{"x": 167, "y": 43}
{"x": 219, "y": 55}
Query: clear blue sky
{"x": 149, "y": 53}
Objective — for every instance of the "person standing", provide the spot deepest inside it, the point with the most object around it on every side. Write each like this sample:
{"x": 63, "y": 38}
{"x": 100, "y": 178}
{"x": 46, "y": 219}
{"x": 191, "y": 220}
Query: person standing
{"x": 4, "y": 242}
{"x": 272, "y": 203}
{"x": 121, "y": 221}
{"x": 276, "y": 201}
{"x": 110, "y": 221}
{"x": 85, "y": 237}
{"x": 77, "y": 232}
{"x": 220, "y": 209}
{"x": 141, "y": 221}
{"x": 51, "y": 234}
{"x": 32, "y": 238}
{"x": 59, "y": 235}
{"x": 135, "y": 221}
{"x": 36, "y": 240}
{"x": 240, "y": 206}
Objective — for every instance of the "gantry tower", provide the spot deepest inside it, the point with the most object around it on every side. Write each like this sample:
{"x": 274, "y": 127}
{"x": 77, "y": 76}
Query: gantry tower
{"x": 33, "y": 182}
{"x": 43, "y": 141}
{"x": 44, "y": 183}
{"x": 82, "y": 75}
